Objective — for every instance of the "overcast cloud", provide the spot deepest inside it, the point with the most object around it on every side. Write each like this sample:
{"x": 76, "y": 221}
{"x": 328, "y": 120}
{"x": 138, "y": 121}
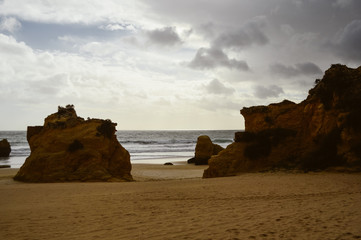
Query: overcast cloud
{"x": 216, "y": 87}
{"x": 209, "y": 58}
{"x": 298, "y": 69}
{"x": 180, "y": 64}
{"x": 166, "y": 36}
{"x": 348, "y": 44}
{"x": 272, "y": 91}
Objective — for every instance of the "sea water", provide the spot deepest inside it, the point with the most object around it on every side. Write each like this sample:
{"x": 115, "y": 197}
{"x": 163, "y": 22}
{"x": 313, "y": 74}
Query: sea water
{"x": 156, "y": 147}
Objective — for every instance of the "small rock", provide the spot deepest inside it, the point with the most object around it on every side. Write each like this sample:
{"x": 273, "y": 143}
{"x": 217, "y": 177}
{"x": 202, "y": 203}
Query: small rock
{"x": 5, "y": 148}
{"x": 205, "y": 149}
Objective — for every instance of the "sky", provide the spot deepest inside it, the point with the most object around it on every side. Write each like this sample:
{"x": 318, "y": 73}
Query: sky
{"x": 162, "y": 64}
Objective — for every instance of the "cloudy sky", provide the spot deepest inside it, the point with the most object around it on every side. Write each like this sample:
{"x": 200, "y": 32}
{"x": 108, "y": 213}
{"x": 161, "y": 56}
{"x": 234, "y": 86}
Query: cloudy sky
{"x": 163, "y": 64}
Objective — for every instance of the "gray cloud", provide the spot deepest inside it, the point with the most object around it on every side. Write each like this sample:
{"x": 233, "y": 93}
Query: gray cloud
{"x": 249, "y": 34}
{"x": 266, "y": 92}
{"x": 348, "y": 44}
{"x": 342, "y": 3}
{"x": 209, "y": 58}
{"x": 306, "y": 68}
{"x": 216, "y": 87}
{"x": 166, "y": 36}
{"x": 206, "y": 29}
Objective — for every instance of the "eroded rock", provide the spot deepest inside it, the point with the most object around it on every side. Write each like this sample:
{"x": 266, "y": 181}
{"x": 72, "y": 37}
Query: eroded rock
{"x": 322, "y": 132}
{"x": 204, "y": 150}
{"x": 69, "y": 148}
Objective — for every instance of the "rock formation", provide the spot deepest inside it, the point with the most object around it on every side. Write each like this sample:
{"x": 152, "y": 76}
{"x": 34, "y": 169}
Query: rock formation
{"x": 69, "y": 148}
{"x": 5, "y": 148}
{"x": 322, "y": 132}
{"x": 205, "y": 149}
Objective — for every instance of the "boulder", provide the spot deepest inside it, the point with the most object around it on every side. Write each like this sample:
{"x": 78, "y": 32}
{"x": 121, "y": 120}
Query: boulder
{"x": 322, "y": 132}
{"x": 204, "y": 150}
{"x": 5, "y": 148}
{"x": 69, "y": 148}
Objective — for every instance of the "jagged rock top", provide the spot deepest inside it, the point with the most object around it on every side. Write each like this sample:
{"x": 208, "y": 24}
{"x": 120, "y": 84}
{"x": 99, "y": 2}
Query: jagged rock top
{"x": 264, "y": 109}
{"x": 340, "y": 87}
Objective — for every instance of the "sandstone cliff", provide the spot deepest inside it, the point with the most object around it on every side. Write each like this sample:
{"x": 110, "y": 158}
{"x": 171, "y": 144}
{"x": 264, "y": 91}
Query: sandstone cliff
{"x": 69, "y": 148}
{"x": 323, "y": 131}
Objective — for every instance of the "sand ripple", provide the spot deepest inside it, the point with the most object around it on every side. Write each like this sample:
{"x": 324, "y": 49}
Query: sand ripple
{"x": 250, "y": 206}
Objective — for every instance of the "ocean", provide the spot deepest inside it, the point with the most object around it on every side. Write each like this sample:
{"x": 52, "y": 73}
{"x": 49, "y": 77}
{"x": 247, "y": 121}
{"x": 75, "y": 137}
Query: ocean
{"x": 155, "y": 147}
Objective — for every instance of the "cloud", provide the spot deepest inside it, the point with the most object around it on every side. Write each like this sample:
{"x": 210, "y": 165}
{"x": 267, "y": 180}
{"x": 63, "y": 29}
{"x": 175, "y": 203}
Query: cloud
{"x": 9, "y": 24}
{"x": 267, "y": 92}
{"x": 249, "y": 34}
{"x": 117, "y": 26}
{"x": 89, "y": 52}
{"x": 219, "y": 104}
{"x": 77, "y": 12}
{"x": 348, "y": 43}
{"x": 210, "y": 58}
{"x": 342, "y": 3}
{"x": 216, "y": 87}
{"x": 166, "y": 36}
{"x": 306, "y": 68}
{"x": 207, "y": 29}
{"x": 234, "y": 41}
{"x": 30, "y": 76}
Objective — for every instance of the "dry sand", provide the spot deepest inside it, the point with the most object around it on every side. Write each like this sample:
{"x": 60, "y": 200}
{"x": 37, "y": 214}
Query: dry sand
{"x": 173, "y": 202}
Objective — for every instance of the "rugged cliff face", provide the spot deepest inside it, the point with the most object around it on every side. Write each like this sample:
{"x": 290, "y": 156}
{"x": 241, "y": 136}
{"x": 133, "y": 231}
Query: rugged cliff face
{"x": 69, "y": 148}
{"x": 321, "y": 132}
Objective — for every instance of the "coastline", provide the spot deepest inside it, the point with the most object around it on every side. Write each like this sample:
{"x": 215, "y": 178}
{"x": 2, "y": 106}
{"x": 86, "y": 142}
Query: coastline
{"x": 173, "y": 202}
{"x": 142, "y": 172}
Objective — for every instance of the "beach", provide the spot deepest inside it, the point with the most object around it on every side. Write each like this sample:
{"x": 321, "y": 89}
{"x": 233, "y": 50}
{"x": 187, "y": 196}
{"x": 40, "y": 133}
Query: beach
{"x": 174, "y": 202}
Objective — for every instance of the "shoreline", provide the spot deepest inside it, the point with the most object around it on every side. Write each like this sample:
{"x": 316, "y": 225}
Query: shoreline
{"x": 142, "y": 172}
{"x": 16, "y": 162}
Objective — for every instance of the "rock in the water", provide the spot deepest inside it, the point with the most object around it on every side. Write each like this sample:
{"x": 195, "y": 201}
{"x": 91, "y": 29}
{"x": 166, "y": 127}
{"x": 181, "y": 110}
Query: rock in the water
{"x": 5, "y": 148}
{"x": 69, "y": 148}
{"x": 169, "y": 164}
{"x": 322, "y": 132}
{"x": 204, "y": 150}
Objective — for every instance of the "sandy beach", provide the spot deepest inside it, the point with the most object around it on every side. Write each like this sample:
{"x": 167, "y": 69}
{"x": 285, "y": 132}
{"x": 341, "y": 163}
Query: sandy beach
{"x": 174, "y": 202}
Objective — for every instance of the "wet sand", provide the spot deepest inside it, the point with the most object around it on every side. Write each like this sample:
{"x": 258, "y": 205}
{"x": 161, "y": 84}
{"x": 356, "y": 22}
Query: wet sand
{"x": 174, "y": 202}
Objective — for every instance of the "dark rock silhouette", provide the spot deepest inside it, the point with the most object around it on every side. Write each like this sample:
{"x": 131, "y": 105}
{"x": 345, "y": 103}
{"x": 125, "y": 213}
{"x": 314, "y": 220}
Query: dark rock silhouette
{"x": 69, "y": 148}
{"x": 5, "y": 148}
{"x": 322, "y": 132}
